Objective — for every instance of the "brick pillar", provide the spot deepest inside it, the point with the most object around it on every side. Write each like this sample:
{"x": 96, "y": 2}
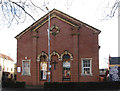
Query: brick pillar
{"x": 75, "y": 62}
{"x": 96, "y": 56}
{"x": 34, "y": 65}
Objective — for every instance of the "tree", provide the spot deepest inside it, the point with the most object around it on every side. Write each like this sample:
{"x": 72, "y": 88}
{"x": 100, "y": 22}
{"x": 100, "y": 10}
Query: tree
{"x": 113, "y": 9}
{"x": 17, "y": 10}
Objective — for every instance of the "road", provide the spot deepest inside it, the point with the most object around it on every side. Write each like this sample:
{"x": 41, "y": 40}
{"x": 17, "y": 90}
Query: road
{"x": 43, "y": 90}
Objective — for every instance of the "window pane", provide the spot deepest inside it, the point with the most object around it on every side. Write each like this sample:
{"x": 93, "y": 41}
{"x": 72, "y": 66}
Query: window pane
{"x": 67, "y": 73}
{"x": 26, "y": 67}
{"x": 86, "y": 63}
{"x": 43, "y": 57}
{"x": 66, "y": 70}
{"x": 41, "y": 74}
{"x": 43, "y": 70}
{"x": 66, "y": 64}
{"x": 86, "y": 70}
{"x": 86, "y": 66}
{"x": 66, "y": 56}
{"x": 43, "y": 66}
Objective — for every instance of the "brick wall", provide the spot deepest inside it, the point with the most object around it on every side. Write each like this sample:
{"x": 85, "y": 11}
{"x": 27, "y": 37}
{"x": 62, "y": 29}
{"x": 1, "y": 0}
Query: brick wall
{"x": 81, "y": 43}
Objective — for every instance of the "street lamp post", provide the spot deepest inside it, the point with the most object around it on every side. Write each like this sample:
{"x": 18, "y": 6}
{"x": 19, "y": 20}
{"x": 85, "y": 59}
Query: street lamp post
{"x": 48, "y": 45}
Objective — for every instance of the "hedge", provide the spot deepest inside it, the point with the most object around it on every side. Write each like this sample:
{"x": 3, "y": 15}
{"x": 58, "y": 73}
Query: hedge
{"x": 82, "y": 86}
{"x": 12, "y": 84}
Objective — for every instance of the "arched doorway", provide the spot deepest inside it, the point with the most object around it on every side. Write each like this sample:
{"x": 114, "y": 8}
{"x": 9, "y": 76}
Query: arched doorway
{"x": 43, "y": 67}
{"x": 56, "y": 69}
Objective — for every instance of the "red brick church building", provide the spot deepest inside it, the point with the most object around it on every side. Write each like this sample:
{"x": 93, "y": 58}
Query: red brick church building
{"x": 74, "y": 52}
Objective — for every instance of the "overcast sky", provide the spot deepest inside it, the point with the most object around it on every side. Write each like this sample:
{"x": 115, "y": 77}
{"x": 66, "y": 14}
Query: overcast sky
{"x": 91, "y": 12}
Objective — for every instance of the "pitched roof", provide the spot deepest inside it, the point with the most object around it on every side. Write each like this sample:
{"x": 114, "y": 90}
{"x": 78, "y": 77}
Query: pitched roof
{"x": 5, "y": 56}
{"x": 59, "y": 15}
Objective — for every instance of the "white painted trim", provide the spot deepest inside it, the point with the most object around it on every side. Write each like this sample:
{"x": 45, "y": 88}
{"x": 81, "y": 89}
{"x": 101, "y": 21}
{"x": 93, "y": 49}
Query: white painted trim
{"x": 29, "y": 67}
{"x": 82, "y": 74}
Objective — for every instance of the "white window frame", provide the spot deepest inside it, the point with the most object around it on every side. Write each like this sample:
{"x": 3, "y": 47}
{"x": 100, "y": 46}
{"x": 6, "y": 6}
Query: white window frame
{"x": 90, "y": 74}
{"x": 29, "y": 74}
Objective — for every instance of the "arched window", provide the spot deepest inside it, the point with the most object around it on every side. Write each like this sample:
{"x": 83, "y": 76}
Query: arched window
{"x": 43, "y": 58}
{"x": 43, "y": 70}
{"x": 43, "y": 67}
{"x": 66, "y": 56}
{"x": 66, "y": 67}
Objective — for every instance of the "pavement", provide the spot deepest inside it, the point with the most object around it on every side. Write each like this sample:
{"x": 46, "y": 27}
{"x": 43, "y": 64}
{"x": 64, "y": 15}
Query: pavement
{"x": 43, "y": 90}
{"x": 31, "y": 88}
{"x": 22, "y": 89}
{"x": 27, "y": 88}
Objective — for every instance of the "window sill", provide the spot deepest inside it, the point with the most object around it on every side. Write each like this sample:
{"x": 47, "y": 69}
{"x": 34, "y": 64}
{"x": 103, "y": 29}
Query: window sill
{"x": 26, "y": 74}
{"x": 43, "y": 79}
{"x": 66, "y": 79}
{"x": 86, "y": 74}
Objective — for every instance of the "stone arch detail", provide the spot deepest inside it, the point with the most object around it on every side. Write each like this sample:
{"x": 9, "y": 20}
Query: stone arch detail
{"x": 55, "y": 53}
{"x": 41, "y": 54}
{"x": 66, "y": 52}
{"x": 57, "y": 30}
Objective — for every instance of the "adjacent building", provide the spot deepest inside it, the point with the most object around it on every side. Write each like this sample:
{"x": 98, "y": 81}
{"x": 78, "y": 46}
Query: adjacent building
{"x": 114, "y": 68}
{"x": 104, "y": 74}
{"x": 7, "y": 66}
{"x": 74, "y": 51}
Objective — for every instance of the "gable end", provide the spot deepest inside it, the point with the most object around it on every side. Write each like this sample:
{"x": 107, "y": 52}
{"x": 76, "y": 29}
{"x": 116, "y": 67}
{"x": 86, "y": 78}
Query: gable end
{"x": 61, "y": 16}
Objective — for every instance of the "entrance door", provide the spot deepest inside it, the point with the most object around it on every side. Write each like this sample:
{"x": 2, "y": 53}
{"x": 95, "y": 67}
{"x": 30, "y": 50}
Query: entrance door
{"x": 56, "y": 71}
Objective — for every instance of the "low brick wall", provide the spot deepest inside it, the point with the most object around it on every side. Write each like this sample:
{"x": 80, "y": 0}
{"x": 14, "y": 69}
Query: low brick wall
{"x": 12, "y": 84}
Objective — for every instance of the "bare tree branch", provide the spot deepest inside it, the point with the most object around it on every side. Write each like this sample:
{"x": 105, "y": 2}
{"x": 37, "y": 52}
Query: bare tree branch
{"x": 4, "y": 13}
{"x": 23, "y": 9}
{"x": 113, "y": 10}
{"x": 36, "y": 6}
{"x": 16, "y": 11}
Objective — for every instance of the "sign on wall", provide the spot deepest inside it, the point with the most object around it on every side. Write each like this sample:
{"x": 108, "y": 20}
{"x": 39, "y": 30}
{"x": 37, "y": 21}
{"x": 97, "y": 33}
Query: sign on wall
{"x": 18, "y": 69}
